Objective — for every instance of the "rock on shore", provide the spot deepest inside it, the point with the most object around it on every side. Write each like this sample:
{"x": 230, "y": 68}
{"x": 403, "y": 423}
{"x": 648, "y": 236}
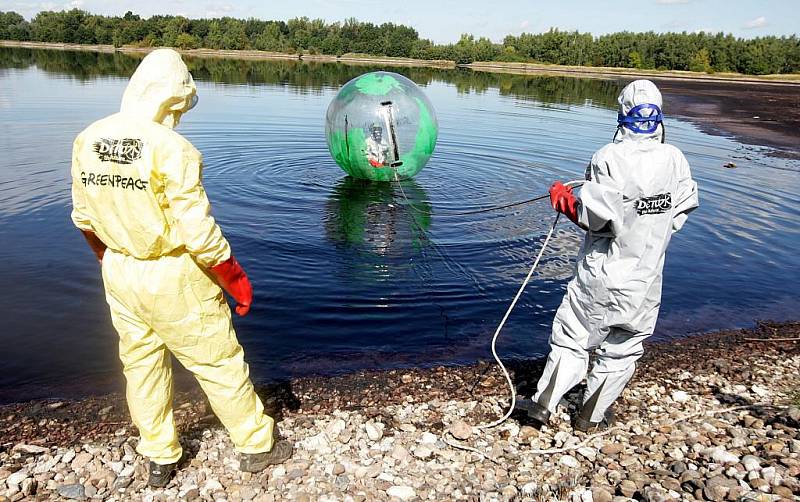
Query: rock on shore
{"x": 714, "y": 418}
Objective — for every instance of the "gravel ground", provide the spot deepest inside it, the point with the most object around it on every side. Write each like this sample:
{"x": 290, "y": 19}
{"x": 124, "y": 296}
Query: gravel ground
{"x": 711, "y": 417}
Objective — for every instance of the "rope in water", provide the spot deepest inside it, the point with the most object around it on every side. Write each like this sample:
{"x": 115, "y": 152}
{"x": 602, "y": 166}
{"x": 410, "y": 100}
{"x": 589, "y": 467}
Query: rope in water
{"x": 521, "y": 289}
{"x": 510, "y": 383}
{"x": 475, "y": 211}
{"x": 511, "y": 388}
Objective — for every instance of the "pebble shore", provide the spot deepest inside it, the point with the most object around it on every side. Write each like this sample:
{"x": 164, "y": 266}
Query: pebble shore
{"x": 711, "y": 417}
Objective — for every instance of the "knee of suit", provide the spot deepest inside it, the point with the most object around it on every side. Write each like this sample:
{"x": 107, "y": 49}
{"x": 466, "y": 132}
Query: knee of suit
{"x": 613, "y": 364}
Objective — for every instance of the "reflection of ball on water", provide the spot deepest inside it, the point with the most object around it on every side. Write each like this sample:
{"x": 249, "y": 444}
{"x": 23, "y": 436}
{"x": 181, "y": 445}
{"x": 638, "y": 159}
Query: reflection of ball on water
{"x": 367, "y": 216}
{"x": 380, "y": 124}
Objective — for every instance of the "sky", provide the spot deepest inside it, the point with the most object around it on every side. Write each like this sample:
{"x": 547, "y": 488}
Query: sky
{"x": 443, "y": 21}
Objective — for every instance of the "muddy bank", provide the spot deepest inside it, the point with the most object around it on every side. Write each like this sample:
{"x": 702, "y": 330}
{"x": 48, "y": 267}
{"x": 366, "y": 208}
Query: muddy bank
{"x": 759, "y": 111}
{"x": 712, "y": 417}
{"x": 486, "y": 66}
{"x": 767, "y": 115}
{"x": 607, "y": 72}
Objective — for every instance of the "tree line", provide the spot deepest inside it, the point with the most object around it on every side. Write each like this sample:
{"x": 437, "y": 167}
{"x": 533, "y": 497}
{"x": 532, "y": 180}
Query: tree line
{"x": 703, "y": 52}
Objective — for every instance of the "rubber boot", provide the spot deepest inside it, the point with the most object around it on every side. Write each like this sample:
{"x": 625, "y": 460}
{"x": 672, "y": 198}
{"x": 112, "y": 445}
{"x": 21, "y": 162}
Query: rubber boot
{"x": 535, "y": 411}
{"x": 583, "y": 420}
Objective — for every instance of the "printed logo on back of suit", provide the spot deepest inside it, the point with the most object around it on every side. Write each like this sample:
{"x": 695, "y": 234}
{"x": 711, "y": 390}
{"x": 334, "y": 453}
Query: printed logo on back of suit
{"x": 655, "y": 204}
{"x": 121, "y": 151}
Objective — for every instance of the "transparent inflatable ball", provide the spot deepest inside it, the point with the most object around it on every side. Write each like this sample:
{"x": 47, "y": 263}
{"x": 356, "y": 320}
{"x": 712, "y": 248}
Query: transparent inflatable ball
{"x": 381, "y": 127}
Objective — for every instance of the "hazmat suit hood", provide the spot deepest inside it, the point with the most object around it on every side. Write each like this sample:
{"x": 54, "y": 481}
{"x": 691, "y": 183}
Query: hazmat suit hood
{"x": 638, "y": 92}
{"x": 161, "y": 89}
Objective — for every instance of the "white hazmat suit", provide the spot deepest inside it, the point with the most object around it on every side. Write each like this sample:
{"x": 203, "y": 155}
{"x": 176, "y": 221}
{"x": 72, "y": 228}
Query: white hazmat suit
{"x": 638, "y": 192}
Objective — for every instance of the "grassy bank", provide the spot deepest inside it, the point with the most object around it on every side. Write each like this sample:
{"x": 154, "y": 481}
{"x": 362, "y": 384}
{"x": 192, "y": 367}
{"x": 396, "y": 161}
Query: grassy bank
{"x": 490, "y": 66}
{"x": 240, "y": 54}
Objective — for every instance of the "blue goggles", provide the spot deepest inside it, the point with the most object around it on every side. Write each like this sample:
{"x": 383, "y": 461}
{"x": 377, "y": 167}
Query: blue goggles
{"x": 637, "y": 122}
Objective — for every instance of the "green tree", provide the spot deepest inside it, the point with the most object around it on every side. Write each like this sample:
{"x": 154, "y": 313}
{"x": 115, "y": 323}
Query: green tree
{"x": 701, "y": 61}
{"x": 14, "y": 27}
{"x": 186, "y": 41}
{"x": 234, "y": 35}
{"x": 175, "y": 27}
{"x": 271, "y": 38}
{"x": 675, "y": 51}
{"x": 634, "y": 60}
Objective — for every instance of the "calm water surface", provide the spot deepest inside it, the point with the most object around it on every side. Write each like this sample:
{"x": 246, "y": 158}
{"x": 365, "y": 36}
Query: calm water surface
{"x": 347, "y": 276}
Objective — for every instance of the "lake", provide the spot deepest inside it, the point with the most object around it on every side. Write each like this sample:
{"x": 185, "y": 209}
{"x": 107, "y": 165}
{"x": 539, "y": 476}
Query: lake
{"x": 348, "y": 275}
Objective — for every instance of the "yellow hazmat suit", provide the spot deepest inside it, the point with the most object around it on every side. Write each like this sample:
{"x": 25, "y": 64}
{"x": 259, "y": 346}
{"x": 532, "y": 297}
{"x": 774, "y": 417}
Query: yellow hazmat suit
{"x": 136, "y": 184}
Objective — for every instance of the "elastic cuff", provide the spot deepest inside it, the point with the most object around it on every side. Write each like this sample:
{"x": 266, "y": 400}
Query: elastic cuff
{"x": 166, "y": 460}
{"x": 162, "y": 460}
{"x": 267, "y": 446}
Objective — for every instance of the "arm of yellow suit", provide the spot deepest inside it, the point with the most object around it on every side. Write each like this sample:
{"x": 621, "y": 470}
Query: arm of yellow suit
{"x": 79, "y": 213}
{"x": 189, "y": 208}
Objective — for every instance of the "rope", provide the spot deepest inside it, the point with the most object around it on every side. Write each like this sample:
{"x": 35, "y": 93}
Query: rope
{"x": 465, "y": 213}
{"x": 499, "y": 329}
{"x": 503, "y": 322}
{"x": 435, "y": 246}
{"x": 589, "y": 439}
{"x": 511, "y": 388}
{"x": 772, "y": 339}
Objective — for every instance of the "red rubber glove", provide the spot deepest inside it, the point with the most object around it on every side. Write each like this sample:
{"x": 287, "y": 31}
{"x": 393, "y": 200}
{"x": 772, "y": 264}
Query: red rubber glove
{"x": 563, "y": 201}
{"x": 231, "y": 277}
{"x": 375, "y": 163}
{"x": 95, "y": 243}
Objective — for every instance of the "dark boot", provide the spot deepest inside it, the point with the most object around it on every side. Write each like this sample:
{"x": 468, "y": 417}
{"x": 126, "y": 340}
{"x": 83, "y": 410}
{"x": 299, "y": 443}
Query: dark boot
{"x": 160, "y": 475}
{"x": 586, "y": 425}
{"x": 256, "y": 462}
{"x": 583, "y": 420}
{"x": 535, "y": 411}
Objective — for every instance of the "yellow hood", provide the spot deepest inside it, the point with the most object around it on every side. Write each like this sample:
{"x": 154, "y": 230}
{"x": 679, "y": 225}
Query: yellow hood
{"x": 161, "y": 89}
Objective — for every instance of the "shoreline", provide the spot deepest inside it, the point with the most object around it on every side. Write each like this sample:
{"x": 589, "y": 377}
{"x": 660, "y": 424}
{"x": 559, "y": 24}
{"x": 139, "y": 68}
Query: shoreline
{"x": 482, "y": 66}
{"x": 759, "y": 111}
{"x": 710, "y": 417}
{"x": 614, "y": 73}
{"x": 353, "y": 59}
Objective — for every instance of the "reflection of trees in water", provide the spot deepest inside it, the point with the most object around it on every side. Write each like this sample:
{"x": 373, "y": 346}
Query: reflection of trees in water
{"x": 314, "y": 77}
{"x": 373, "y": 216}
{"x": 83, "y": 65}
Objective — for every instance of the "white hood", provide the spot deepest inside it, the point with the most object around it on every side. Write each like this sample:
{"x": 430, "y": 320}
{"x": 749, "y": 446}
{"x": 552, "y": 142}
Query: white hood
{"x": 638, "y": 92}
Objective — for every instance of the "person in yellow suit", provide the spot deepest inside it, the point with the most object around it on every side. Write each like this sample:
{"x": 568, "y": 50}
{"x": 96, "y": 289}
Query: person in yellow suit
{"x": 138, "y": 198}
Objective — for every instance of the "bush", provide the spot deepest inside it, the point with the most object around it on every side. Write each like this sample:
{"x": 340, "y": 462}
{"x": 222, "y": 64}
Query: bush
{"x": 187, "y": 41}
{"x": 701, "y": 62}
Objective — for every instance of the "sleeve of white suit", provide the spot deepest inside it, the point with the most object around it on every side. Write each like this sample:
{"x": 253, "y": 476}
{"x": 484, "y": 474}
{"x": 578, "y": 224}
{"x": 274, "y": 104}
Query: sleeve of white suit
{"x": 79, "y": 217}
{"x": 601, "y": 210}
{"x": 686, "y": 199}
{"x": 190, "y": 210}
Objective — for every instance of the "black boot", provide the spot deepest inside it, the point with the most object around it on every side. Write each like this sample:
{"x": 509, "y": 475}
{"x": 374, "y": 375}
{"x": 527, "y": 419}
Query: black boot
{"x": 583, "y": 420}
{"x": 160, "y": 475}
{"x": 586, "y": 425}
{"x": 535, "y": 411}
